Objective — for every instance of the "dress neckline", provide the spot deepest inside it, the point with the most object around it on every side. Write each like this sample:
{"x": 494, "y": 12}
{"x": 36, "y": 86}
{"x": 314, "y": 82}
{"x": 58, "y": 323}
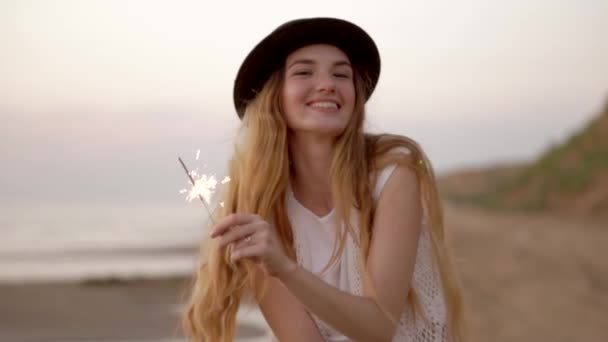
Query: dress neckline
{"x": 323, "y": 218}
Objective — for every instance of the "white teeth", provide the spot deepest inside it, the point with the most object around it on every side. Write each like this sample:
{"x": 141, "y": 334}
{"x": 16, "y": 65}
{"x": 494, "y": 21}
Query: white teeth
{"x": 325, "y": 105}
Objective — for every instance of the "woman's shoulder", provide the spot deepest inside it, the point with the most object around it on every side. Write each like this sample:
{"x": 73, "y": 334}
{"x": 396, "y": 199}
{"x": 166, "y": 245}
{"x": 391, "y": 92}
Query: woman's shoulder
{"x": 391, "y": 152}
{"x": 391, "y": 146}
{"x": 381, "y": 178}
{"x": 403, "y": 173}
{"x": 389, "y": 149}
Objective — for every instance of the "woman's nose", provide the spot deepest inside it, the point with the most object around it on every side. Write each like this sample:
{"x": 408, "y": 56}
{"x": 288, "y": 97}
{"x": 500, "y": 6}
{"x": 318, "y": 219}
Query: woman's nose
{"x": 326, "y": 82}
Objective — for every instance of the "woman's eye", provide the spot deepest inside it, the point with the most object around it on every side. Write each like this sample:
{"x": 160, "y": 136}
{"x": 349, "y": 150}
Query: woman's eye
{"x": 342, "y": 75}
{"x": 302, "y": 72}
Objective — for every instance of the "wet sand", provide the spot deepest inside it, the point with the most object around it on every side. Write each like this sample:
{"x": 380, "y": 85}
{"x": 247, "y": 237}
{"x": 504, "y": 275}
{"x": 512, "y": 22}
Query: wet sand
{"x": 141, "y": 310}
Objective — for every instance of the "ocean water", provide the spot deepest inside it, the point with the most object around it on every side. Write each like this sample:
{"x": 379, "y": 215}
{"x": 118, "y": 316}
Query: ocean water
{"x": 72, "y": 242}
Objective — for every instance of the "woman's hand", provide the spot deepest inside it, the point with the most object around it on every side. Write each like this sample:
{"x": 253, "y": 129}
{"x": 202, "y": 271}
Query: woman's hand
{"x": 255, "y": 239}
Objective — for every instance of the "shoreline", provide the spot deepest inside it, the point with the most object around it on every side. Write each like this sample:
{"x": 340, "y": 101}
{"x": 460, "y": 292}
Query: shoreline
{"x": 97, "y": 264}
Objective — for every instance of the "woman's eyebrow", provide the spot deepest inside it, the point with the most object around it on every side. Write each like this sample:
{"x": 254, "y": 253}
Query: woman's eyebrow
{"x": 341, "y": 63}
{"x": 312, "y": 62}
{"x": 301, "y": 61}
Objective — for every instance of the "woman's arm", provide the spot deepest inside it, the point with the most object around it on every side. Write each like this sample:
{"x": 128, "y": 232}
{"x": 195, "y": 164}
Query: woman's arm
{"x": 390, "y": 265}
{"x": 286, "y": 316}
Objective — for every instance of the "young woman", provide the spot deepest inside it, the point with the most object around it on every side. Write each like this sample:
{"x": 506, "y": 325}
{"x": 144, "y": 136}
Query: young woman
{"x": 336, "y": 233}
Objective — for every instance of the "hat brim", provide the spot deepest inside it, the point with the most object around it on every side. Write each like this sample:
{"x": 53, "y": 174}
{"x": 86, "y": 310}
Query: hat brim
{"x": 269, "y": 55}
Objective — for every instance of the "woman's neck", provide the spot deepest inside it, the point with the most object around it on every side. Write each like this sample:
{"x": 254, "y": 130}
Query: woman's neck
{"x": 311, "y": 161}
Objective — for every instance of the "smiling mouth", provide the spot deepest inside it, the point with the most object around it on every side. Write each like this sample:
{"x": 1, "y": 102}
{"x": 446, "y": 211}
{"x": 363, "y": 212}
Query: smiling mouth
{"x": 325, "y": 105}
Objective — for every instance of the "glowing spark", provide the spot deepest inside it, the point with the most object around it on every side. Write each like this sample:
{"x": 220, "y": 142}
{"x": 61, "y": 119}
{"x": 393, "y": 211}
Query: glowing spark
{"x": 203, "y": 186}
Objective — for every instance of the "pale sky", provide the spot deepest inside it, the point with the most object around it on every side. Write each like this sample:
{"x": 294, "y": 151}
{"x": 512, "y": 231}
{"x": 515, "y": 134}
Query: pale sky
{"x": 122, "y": 87}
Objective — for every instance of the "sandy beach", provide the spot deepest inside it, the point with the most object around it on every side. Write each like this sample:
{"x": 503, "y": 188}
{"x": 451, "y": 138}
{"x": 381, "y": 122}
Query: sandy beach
{"x": 141, "y": 310}
{"x": 526, "y": 277}
{"x": 532, "y": 277}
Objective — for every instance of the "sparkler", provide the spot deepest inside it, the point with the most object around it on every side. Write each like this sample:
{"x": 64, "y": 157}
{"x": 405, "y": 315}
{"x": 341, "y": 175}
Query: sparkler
{"x": 203, "y": 187}
{"x": 198, "y": 194}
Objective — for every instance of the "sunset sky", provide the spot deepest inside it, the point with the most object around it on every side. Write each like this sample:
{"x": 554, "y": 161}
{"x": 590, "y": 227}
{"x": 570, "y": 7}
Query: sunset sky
{"x": 98, "y": 98}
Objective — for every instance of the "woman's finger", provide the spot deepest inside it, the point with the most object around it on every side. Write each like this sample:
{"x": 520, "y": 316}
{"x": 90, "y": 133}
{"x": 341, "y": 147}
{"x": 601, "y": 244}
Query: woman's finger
{"x": 237, "y": 233}
{"x": 248, "y": 251}
{"x": 236, "y": 219}
{"x": 244, "y": 242}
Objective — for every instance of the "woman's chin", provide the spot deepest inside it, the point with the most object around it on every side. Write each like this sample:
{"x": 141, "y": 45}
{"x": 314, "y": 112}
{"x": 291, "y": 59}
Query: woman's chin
{"x": 329, "y": 130}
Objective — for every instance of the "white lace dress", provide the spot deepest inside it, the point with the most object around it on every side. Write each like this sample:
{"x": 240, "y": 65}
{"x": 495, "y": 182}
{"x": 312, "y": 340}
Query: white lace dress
{"x": 314, "y": 240}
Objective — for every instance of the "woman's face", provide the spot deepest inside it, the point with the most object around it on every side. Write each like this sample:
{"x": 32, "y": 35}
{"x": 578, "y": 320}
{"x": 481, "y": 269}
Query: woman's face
{"x": 318, "y": 92}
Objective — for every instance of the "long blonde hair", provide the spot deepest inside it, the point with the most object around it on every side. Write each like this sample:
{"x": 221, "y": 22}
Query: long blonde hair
{"x": 259, "y": 171}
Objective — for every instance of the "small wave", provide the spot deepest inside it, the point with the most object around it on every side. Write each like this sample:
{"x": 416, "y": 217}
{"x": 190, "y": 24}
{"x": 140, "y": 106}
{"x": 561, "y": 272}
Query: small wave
{"x": 69, "y": 267}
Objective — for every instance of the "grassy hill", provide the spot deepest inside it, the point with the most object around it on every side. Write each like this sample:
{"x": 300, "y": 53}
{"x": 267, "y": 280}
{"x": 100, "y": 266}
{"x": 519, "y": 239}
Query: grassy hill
{"x": 571, "y": 177}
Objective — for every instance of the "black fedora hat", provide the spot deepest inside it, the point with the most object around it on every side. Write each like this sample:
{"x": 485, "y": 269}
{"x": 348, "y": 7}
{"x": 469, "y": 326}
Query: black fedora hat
{"x": 269, "y": 54}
